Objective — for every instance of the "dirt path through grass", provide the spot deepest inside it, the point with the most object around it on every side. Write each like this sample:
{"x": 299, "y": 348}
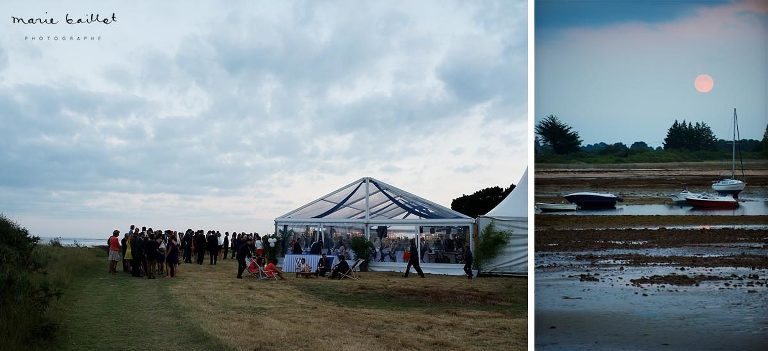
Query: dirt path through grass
{"x": 103, "y": 312}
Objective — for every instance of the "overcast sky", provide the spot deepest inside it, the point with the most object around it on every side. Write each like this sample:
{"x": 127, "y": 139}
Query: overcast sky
{"x": 624, "y": 70}
{"x": 225, "y": 117}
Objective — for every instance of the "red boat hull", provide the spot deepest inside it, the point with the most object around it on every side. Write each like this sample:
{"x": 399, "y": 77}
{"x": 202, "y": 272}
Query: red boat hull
{"x": 713, "y": 204}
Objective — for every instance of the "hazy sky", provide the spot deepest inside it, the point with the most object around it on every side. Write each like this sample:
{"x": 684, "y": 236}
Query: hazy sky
{"x": 623, "y": 71}
{"x": 225, "y": 117}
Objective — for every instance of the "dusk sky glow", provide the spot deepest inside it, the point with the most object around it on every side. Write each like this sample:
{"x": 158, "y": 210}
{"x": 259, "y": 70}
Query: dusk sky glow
{"x": 623, "y": 71}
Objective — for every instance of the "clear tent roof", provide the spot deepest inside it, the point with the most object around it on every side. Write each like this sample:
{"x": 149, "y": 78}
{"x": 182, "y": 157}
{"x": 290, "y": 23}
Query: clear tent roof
{"x": 379, "y": 200}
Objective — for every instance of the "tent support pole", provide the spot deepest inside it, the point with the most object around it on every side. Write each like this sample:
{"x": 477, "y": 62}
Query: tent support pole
{"x": 367, "y": 209}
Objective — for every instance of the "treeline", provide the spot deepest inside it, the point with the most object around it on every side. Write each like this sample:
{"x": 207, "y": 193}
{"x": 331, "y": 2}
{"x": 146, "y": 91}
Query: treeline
{"x": 481, "y": 201}
{"x": 557, "y": 142}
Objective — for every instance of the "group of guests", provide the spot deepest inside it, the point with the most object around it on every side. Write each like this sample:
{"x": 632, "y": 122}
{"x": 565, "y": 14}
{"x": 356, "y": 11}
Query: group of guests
{"x": 150, "y": 253}
{"x": 324, "y": 267}
{"x": 145, "y": 253}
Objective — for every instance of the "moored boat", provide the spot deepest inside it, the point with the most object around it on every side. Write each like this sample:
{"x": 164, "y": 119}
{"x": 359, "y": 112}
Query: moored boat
{"x": 590, "y": 200}
{"x": 731, "y": 186}
{"x": 681, "y": 197}
{"x": 549, "y": 207}
{"x": 706, "y": 201}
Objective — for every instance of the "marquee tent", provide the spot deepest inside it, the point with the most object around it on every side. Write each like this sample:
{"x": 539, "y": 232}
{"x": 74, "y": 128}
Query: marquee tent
{"x": 510, "y": 215}
{"x": 369, "y": 202}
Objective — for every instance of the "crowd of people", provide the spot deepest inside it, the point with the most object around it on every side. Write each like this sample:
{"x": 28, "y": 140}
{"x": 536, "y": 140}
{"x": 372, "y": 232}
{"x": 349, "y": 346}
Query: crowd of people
{"x": 151, "y": 253}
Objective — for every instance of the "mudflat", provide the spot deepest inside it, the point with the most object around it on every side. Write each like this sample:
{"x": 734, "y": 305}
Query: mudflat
{"x": 650, "y": 282}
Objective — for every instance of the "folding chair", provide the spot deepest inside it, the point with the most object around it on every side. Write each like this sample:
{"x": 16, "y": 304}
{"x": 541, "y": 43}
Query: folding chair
{"x": 264, "y": 273}
{"x": 256, "y": 270}
{"x": 352, "y": 272}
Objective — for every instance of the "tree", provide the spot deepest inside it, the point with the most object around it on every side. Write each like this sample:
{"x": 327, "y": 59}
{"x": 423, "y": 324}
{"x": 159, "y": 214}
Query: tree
{"x": 481, "y": 201}
{"x": 558, "y": 135}
{"x": 639, "y": 146}
{"x": 687, "y": 136}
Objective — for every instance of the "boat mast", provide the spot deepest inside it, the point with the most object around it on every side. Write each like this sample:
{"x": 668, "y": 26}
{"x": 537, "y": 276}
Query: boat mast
{"x": 733, "y": 152}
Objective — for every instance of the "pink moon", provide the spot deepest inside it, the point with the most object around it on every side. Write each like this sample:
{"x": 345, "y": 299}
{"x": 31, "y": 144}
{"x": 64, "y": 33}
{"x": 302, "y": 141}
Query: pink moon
{"x": 704, "y": 83}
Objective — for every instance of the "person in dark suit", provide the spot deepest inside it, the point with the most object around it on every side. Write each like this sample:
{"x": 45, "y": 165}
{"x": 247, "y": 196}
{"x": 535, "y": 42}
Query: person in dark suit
{"x": 187, "y": 246}
{"x": 213, "y": 248}
{"x": 316, "y": 247}
{"x": 413, "y": 260}
{"x": 468, "y": 261}
{"x": 242, "y": 253}
{"x": 150, "y": 253}
{"x": 296, "y": 250}
{"x": 341, "y": 267}
{"x": 323, "y": 266}
{"x": 137, "y": 250}
{"x": 226, "y": 244}
{"x": 200, "y": 246}
{"x": 234, "y": 244}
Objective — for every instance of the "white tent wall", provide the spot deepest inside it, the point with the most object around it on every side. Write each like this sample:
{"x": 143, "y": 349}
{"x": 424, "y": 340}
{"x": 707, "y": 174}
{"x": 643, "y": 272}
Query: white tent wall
{"x": 510, "y": 215}
{"x": 514, "y": 258}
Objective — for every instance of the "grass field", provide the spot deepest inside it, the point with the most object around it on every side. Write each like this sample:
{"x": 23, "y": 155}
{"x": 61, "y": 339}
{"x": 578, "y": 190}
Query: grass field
{"x": 205, "y": 307}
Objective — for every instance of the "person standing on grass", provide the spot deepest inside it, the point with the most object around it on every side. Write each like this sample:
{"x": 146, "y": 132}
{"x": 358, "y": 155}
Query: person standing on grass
{"x": 413, "y": 260}
{"x": 127, "y": 251}
{"x": 200, "y": 246}
{"x": 225, "y": 245}
{"x": 468, "y": 261}
{"x": 242, "y": 253}
{"x": 213, "y": 247}
{"x": 114, "y": 251}
{"x": 259, "y": 245}
{"x": 150, "y": 252}
{"x": 137, "y": 249}
{"x": 160, "y": 255}
{"x": 234, "y": 244}
{"x": 173, "y": 257}
{"x": 123, "y": 247}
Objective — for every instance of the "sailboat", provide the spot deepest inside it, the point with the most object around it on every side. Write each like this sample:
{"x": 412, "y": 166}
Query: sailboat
{"x": 731, "y": 186}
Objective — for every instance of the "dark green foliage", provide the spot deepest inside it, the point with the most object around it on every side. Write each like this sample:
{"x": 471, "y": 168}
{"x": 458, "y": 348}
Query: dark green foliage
{"x": 558, "y": 136}
{"x": 481, "y": 201}
{"x": 270, "y": 252}
{"x": 687, "y": 136}
{"x": 765, "y": 142}
{"x": 362, "y": 247}
{"x": 25, "y": 293}
{"x": 490, "y": 244}
{"x": 639, "y": 146}
{"x": 602, "y": 153}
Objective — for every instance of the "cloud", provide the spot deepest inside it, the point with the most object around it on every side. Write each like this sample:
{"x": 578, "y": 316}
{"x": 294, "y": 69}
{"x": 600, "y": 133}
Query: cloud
{"x": 246, "y": 113}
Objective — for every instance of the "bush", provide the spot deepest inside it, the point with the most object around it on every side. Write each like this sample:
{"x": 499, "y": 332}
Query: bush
{"x": 362, "y": 247}
{"x": 490, "y": 244}
{"x": 25, "y": 291}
